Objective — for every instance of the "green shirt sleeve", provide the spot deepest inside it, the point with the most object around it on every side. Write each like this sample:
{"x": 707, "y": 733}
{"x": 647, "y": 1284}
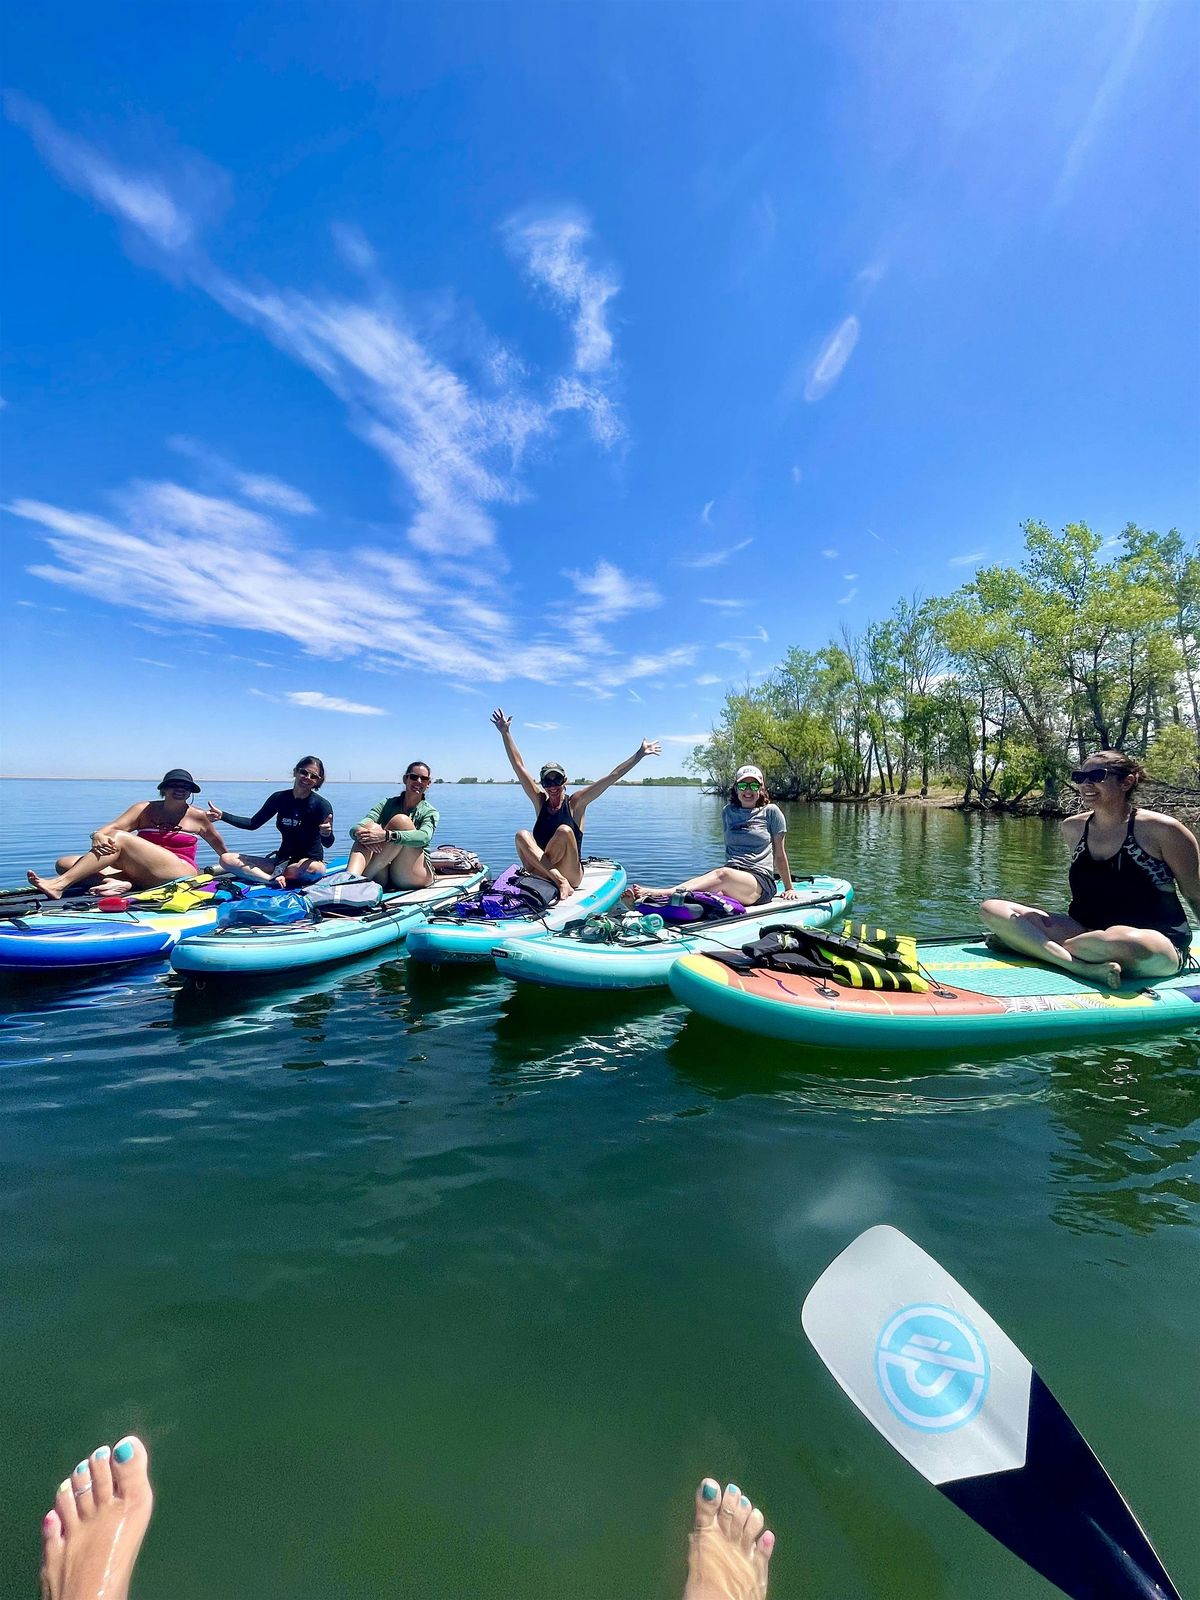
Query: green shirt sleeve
{"x": 385, "y": 808}
{"x": 425, "y": 820}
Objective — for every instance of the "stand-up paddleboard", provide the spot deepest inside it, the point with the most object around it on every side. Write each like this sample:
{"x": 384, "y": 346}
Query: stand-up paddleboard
{"x": 566, "y": 961}
{"x": 950, "y": 1391}
{"x": 979, "y": 997}
{"x": 233, "y": 951}
{"x": 447, "y": 940}
{"x": 64, "y": 944}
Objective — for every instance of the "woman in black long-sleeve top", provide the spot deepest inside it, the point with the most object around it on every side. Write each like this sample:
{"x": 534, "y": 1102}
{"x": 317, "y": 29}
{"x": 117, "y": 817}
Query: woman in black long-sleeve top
{"x": 305, "y": 822}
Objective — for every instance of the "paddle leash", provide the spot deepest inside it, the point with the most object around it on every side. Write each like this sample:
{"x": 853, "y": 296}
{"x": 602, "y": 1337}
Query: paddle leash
{"x": 950, "y": 1391}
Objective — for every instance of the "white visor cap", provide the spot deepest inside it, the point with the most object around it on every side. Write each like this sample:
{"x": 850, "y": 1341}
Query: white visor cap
{"x": 748, "y": 772}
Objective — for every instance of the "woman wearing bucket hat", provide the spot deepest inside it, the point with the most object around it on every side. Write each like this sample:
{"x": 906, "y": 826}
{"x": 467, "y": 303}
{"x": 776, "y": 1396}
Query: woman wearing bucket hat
{"x": 151, "y": 842}
{"x": 552, "y": 848}
{"x": 755, "y": 855}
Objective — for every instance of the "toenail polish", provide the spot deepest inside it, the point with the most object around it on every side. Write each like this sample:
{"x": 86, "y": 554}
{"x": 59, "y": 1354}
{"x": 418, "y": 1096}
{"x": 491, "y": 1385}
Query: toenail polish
{"x": 732, "y": 1488}
{"x": 710, "y": 1491}
{"x": 123, "y": 1451}
{"x": 102, "y": 1453}
{"x": 82, "y": 1467}
{"x": 743, "y": 1501}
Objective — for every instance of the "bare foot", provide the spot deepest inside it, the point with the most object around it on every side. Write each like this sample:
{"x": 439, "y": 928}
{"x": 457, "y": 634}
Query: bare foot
{"x": 562, "y": 884}
{"x": 51, "y": 887}
{"x": 91, "y": 1539}
{"x": 728, "y": 1550}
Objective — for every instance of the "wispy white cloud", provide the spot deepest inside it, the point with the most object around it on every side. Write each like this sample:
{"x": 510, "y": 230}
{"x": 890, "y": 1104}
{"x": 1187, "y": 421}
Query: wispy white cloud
{"x": 830, "y": 554}
{"x": 969, "y": 558}
{"x": 827, "y": 368}
{"x": 797, "y": 475}
{"x": 847, "y": 597}
{"x": 146, "y": 201}
{"x": 457, "y": 451}
{"x": 150, "y": 661}
{"x": 759, "y": 636}
{"x": 313, "y": 700}
{"x": 706, "y": 678}
{"x": 206, "y": 561}
{"x": 726, "y": 604}
{"x": 354, "y": 247}
{"x": 874, "y": 272}
{"x": 850, "y": 577}
{"x": 634, "y": 696}
{"x": 1119, "y": 65}
{"x": 256, "y": 486}
{"x": 553, "y": 250}
{"x": 706, "y": 514}
{"x": 685, "y": 738}
{"x": 543, "y": 727}
{"x": 715, "y": 558}
{"x": 735, "y": 648}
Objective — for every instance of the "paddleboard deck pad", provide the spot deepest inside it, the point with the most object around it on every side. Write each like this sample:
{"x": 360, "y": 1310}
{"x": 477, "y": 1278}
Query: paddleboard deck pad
{"x": 52, "y": 944}
{"x": 979, "y": 997}
{"x": 565, "y": 961}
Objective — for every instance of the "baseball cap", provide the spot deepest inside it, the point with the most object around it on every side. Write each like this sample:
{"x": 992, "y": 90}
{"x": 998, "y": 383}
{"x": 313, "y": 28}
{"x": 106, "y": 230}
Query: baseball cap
{"x": 555, "y": 770}
{"x": 748, "y": 772}
{"x": 178, "y": 775}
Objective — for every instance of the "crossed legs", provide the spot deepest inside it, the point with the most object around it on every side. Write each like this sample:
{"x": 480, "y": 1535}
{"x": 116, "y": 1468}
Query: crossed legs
{"x": 559, "y": 861}
{"x": 394, "y": 864}
{"x": 1103, "y": 955}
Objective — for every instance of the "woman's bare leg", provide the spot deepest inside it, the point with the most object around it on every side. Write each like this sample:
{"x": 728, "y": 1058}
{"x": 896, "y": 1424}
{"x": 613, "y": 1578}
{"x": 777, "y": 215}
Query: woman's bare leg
{"x": 1046, "y": 936}
{"x": 249, "y": 866}
{"x": 144, "y": 865}
{"x": 729, "y": 1547}
{"x": 1138, "y": 952}
{"x": 91, "y": 1539}
{"x": 558, "y": 862}
{"x": 408, "y": 868}
{"x": 738, "y": 885}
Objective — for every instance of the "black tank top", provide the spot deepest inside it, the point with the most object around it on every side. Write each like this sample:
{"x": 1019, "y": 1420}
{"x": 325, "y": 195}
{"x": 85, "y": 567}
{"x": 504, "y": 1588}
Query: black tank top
{"x": 548, "y": 822}
{"x": 1131, "y": 887}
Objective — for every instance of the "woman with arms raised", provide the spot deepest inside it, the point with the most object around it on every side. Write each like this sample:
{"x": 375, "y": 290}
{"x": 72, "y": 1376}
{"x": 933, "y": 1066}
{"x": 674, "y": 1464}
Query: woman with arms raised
{"x": 152, "y": 842}
{"x": 391, "y": 843}
{"x": 1125, "y": 919}
{"x": 305, "y": 822}
{"x": 755, "y": 853}
{"x": 553, "y": 847}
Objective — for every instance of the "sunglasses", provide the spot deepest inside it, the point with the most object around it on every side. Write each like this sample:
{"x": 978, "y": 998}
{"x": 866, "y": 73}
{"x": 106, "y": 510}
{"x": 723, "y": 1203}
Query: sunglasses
{"x": 313, "y": 777}
{"x": 552, "y": 782}
{"x": 749, "y": 786}
{"x": 1091, "y": 774}
{"x": 417, "y": 777}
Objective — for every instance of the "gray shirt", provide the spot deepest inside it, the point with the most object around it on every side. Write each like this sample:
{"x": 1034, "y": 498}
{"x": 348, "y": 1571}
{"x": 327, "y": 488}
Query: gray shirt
{"x": 750, "y": 835}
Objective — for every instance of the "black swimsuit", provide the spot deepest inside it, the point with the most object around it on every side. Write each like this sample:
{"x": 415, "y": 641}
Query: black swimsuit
{"x": 1132, "y": 887}
{"x": 548, "y": 823}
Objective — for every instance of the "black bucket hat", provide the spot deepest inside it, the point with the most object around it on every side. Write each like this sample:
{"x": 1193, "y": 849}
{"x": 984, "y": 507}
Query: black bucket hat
{"x": 178, "y": 775}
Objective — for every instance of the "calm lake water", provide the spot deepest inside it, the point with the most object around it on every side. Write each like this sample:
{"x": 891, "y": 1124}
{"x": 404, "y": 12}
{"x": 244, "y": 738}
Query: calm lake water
{"x": 424, "y": 1286}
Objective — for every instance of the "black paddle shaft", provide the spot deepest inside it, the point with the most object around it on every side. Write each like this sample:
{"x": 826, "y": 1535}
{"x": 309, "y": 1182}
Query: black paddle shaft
{"x": 1063, "y": 1515}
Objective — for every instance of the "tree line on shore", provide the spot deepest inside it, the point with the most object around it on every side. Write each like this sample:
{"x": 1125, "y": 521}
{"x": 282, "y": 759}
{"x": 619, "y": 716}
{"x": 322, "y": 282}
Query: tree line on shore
{"x": 995, "y": 691}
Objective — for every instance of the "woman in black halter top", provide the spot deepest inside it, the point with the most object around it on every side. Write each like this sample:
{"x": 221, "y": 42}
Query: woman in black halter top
{"x": 1128, "y": 869}
{"x": 553, "y": 847}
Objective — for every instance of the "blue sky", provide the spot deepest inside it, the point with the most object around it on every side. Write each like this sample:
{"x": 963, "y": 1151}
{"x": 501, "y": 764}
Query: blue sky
{"x": 371, "y": 365}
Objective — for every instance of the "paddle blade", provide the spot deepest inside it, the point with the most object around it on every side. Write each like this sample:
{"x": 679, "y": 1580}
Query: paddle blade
{"x": 950, "y": 1391}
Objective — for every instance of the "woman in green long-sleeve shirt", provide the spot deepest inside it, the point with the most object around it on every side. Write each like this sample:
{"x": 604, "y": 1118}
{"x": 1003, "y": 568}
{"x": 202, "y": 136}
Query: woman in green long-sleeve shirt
{"x": 391, "y": 843}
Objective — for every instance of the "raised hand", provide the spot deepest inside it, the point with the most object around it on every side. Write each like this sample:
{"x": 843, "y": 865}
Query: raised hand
{"x": 500, "y": 721}
{"x": 650, "y": 747}
{"x": 214, "y": 812}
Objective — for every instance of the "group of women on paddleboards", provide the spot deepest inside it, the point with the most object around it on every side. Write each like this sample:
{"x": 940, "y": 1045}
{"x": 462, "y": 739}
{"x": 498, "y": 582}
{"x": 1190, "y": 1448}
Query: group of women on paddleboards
{"x": 1128, "y": 867}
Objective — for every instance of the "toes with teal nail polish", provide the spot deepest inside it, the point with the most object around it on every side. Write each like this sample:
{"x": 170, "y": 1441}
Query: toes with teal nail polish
{"x": 123, "y": 1452}
{"x": 82, "y": 1467}
{"x": 102, "y": 1453}
{"x": 710, "y": 1491}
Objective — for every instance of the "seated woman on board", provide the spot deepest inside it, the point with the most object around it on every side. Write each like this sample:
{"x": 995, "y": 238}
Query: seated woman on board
{"x": 1125, "y": 919}
{"x": 553, "y": 848}
{"x": 305, "y": 822}
{"x": 391, "y": 843}
{"x": 755, "y": 853}
{"x": 151, "y": 842}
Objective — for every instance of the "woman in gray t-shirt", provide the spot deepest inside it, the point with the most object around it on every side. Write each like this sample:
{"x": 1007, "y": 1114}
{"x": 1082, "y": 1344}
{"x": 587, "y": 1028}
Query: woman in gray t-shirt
{"x": 754, "y": 849}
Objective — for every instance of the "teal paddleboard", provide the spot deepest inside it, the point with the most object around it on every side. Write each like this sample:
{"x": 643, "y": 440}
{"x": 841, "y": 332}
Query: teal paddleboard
{"x": 565, "y": 961}
{"x": 979, "y": 997}
{"x": 449, "y": 940}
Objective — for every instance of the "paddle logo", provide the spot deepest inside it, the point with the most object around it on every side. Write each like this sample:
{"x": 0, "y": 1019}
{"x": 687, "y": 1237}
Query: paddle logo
{"x": 932, "y": 1368}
